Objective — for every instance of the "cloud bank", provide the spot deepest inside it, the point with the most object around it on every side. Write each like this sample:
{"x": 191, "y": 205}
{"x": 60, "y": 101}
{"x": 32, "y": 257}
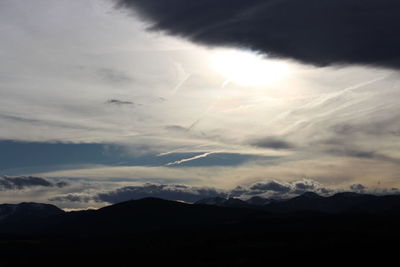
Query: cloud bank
{"x": 172, "y": 192}
{"x": 276, "y": 189}
{"x": 311, "y": 31}
{"x": 23, "y": 182}
{"x": 179, "y": 192}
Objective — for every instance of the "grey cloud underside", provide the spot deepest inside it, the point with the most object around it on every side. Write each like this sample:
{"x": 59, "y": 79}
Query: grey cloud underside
{"x": 23, "y": 182}
{"x": 311, "y": 31}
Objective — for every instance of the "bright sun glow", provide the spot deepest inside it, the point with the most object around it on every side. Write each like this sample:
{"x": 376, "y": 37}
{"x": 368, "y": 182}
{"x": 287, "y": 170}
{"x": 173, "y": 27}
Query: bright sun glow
{"x": 248, "y": 69}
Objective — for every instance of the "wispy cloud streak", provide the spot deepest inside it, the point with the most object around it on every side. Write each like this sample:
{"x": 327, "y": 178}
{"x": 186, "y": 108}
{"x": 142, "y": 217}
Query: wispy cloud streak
{"x": 178, "y": 162}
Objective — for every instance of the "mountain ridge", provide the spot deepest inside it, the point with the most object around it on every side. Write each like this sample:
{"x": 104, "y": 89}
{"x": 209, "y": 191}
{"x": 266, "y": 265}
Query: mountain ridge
{"x": 155, "y": 214}
{"x": 312, "y": 202}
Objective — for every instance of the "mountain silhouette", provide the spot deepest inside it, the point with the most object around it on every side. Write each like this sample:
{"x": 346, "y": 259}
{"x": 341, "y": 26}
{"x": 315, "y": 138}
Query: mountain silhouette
{"x": 153, "y": 214}
{"x": 345, "y": 202}
{"x": 224, "y": 202}
{"x": 135, "y": 216}
{"x": 302, "y": 231}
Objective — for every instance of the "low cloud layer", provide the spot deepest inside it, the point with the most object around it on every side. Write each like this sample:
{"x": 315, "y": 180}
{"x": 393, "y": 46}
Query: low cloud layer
{"x": 268, "y": 189}
{"x": 311, "y": 31}
{"x": 172, "y": 192}
{"x": 23, "y": 182}
{"x": 277, "y": 189}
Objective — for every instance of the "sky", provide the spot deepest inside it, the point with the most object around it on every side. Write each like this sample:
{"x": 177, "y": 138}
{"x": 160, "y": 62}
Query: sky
{"x": 107, "y": 100}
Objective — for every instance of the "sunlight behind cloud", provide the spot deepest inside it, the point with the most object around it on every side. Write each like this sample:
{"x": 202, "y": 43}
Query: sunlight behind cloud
{"x": 248, "y": 69}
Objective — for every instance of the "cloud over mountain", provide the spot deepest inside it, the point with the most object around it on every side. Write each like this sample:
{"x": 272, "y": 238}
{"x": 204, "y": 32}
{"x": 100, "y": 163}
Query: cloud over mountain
{"x": 276, "y": 189}
{"x": 269, "y": 188}
{"x": 311, "y": 31}
{"x": 171, "y": 192}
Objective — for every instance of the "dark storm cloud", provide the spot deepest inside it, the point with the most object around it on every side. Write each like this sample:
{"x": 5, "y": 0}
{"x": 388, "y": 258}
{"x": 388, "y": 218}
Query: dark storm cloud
{"x": 23, "y": 182}
{"x": 319, "y": 32}
{"x": 171, "y": 192}
{"x": 270, "y": 142}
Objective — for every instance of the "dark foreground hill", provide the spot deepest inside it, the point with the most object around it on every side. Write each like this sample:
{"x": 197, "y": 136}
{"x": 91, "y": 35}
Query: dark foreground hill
{"x": 155, "y": 232}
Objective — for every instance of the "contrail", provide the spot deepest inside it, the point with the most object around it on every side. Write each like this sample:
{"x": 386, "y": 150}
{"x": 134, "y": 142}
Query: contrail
{"x": 344, "y": 91}
{"x": 181, "y": 83}
{"x": 182, "y": 72}
{"x": 178, "y": 162}
{"x": 169, "y": 152}
{"x": 324, "y": 99}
